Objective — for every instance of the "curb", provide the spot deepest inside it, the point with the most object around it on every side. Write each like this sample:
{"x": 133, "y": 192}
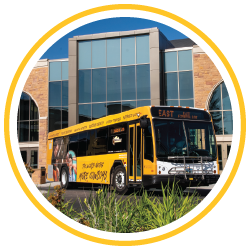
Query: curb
{"x": 48, "y": 184}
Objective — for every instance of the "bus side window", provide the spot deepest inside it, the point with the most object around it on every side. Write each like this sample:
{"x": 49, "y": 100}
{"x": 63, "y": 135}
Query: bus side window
{"x": 82, "y": 143}
{"x": 148, "y": 144}
{"x": 64, "y": 147}
{"x": 56, "y": 148}
{"x": 73, "y": 143}
{"x": 117, "y": 143}
{"x": 117, "y": 138}
{"x": 91, "y": 143}
{"x": 102, "y": 132}
{"x": 101, "y": 141}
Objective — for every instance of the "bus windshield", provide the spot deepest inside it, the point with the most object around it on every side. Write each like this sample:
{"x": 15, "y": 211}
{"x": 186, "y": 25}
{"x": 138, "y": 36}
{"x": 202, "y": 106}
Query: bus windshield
{"x": 184, "y": 138}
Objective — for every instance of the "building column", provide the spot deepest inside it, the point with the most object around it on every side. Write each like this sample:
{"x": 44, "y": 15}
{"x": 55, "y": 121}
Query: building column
{"x": 154, "y": 66}
{"x": 43, "y": 137}
{"x": 73, "y": 86}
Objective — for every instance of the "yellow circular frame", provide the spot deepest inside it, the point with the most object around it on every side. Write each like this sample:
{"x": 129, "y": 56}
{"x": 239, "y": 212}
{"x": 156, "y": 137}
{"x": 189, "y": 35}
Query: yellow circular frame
{"x": 125, "y": 7}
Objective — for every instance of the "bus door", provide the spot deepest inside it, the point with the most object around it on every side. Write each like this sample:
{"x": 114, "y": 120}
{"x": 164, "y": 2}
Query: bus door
{"x": 135, "y": 153}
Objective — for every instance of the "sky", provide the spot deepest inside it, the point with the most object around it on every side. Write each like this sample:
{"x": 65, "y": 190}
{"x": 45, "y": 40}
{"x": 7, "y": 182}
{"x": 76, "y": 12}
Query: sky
{"x": 59, "y": 49}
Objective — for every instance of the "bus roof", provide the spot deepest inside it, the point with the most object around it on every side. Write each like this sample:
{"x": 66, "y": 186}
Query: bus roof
{"x": 125, "y": 116}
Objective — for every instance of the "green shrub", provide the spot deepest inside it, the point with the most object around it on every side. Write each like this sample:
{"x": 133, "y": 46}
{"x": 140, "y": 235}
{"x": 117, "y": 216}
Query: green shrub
{"x": 57, "y": 200}
{"x": 29, "y": 169}
{"x": 136, "y": 213}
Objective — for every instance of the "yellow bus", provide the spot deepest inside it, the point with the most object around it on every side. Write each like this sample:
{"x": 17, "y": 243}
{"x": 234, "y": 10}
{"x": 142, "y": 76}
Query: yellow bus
{"x": 146, "y": 146}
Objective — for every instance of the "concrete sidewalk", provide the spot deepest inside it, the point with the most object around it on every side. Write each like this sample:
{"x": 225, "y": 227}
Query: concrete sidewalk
{"x": 202, "y": 191}
{"x": 48, "y": 184}
{"x": 203, "y": 187}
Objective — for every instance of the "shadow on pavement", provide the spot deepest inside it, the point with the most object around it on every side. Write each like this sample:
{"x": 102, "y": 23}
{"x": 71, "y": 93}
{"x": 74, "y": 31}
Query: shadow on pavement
{"x": 201, "y": 191}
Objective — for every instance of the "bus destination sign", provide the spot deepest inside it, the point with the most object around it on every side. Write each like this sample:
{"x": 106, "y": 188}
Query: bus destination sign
{"x": 117, "y": 130}
{"x": 180, "y": 113}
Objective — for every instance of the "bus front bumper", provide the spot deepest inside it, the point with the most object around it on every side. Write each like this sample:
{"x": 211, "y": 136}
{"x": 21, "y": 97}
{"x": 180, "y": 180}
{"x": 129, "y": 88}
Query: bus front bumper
{"x": 190, "y": 180}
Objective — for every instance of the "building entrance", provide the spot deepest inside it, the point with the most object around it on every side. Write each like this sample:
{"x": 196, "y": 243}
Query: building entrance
{"x": 30, "y": 156}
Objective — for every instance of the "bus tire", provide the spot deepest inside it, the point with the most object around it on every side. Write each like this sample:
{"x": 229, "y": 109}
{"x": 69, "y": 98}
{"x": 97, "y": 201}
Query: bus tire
{"x": 119, "y": 180}
{"x": 65, "y": 178}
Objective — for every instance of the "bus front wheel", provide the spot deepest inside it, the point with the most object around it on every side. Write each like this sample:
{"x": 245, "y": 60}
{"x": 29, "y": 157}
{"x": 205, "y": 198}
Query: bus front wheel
{"x": 119, "y": 180}
{"x": 65, "y": 178}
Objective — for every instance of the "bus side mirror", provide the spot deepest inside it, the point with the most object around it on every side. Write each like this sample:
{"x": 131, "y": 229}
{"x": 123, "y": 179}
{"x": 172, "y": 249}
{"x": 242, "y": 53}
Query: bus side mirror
{"x": 144, "y": 122}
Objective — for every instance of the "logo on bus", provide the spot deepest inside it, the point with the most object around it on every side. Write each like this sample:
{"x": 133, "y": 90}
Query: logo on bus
{"x": 116, "y": 140}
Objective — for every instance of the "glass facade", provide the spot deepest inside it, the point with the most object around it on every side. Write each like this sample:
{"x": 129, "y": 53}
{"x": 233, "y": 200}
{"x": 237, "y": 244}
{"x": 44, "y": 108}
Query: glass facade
{"x": 58, "y": 95}
{"x": 128, "y": 83}
{"x": 113, "y": 84}
{"x": 27, "y": 120}
{"x": 113, "y": 76}
{"x": 85, "y": 113}
{"x": 178, "y": 78}
{"x": 221, "y": 110}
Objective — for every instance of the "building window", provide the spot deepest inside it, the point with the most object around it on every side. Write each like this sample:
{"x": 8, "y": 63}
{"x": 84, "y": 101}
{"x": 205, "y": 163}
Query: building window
{"x": 113, "y": 76}
{"x": 58, "y": 95}
{"x": 27, "y": 119}
{"x": 178, "y": 78}
{"x": 221, "y": 110}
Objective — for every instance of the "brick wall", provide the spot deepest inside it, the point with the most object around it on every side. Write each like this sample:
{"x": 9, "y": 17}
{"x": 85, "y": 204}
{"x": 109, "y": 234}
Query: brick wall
{"x": 38, "y": 177}
{"x": 43, "y": 136}
{"x": 37, "y": 87}
{"x": 206, "y": 75}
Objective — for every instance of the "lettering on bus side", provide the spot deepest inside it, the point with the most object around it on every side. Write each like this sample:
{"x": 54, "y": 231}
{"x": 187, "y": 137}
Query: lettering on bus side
{"x": 166, "y": 113}
{"x": 66, "y": 132}
{"x": 117, "y": 119}
{"x": 98, "y": 176}
{"x": 131, "y": 115}
{"x": 109, "y": 121}
{"x": 83, "y": 176}
{"x": 92, "y": 125}
{"x": 127, "y": 116}
{"x": 100, "y": 123}
{"x": 80, "y": 129}
{"x": 92, "y": 165}
{"x": 54, "y": 134}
